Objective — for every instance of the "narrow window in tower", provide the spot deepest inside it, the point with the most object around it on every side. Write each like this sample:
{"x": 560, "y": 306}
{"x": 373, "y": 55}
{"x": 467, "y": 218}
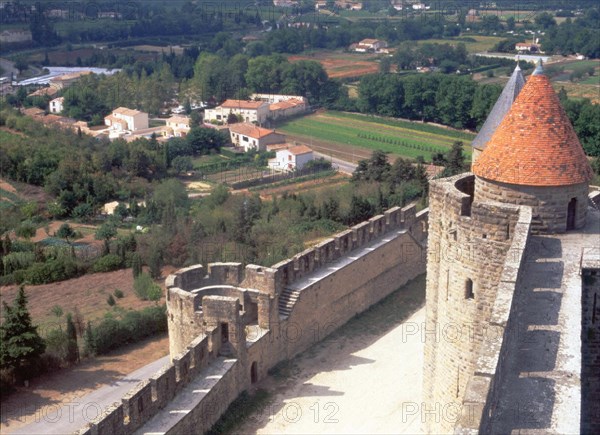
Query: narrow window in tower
{"x": 469, "y": 289}
{"x": 447, "y": 284}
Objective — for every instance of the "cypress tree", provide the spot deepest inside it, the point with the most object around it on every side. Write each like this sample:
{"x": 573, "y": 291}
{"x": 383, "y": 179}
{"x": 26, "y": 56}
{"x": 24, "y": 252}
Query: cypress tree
{"x": 72, "y": 348}
{"x": 20, "y": 343}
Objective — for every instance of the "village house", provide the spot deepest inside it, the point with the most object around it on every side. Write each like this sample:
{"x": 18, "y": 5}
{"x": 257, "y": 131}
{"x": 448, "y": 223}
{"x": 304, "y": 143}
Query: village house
{"x": 42, "y": 92}
{"x": 56, "y": 105}
{"x": 177, "y": 126}
{"x": 369, "y": 45}
{"x": 528, "y": 47}
{"x": 282, "y": 106}
{"x": 284, "y": 109}
{"x": 123, "y": 119}
{"x": 291, "y": 158}
{"x": 249, "y": 111}
{"x": 66, "y": 80}
{"x": 15, "y": 36}
{"x": 251, "y": 137}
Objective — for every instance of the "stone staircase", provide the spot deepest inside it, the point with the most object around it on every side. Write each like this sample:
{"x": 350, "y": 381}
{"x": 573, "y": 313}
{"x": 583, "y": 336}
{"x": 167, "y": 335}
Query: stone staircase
{"x": 287, "y": 299}
{"x": 226, "y": 350}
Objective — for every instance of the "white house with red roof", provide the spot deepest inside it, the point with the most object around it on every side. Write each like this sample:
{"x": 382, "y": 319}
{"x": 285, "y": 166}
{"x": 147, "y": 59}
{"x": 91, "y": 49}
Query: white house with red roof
{"x": 251, "y": 137}
{"x": 292, "y": 157}
{"x": 249, "y": 111}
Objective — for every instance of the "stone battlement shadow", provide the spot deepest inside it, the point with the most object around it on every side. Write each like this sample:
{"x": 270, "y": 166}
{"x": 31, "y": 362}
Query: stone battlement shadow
{"x": 528, "y": 390}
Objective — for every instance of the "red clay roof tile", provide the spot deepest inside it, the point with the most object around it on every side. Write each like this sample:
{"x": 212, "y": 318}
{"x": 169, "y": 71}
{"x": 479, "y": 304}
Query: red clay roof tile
{"x": 535, "y": 143}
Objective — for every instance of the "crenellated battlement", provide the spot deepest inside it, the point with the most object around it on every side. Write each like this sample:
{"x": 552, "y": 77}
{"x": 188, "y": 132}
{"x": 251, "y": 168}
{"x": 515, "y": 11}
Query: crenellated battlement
{"x": 213, "y": 310}
{"x": 143, "y": 401}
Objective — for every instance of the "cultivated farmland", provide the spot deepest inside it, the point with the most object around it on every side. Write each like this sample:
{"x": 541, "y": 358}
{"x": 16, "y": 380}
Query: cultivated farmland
{"x": 342, "y": 65}
{"x": 342, "y": 133}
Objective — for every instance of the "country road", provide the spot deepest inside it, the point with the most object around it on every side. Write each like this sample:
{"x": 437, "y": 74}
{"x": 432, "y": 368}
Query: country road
{"x": 342, "y": 165}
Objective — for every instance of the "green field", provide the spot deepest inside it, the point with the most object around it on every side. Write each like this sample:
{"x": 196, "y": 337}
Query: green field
{"x": 473, "y": 43}
{"x": 398, "y": 137}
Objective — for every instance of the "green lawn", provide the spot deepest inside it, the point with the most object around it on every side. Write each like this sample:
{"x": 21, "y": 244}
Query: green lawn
{"x": 403, "y": 138}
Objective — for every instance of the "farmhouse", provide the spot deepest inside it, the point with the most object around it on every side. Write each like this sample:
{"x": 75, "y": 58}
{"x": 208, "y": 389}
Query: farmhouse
{"x": 528, "y": 47}
{"x": 15, "y": 36}
{"x": 177, "y": 126}
{"x": 369, "y": 45}
{"x": 123, "y": 119}
{"x": 56, "y": 105}
{"x": 252, "y": 137}
{"x": 291, "y": 158}
{"x": 66, "y": 80}
{"x": 284, "y": 109}
{"x": 250, "y": 111}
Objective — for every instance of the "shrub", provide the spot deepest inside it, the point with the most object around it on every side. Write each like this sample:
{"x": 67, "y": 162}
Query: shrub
{"x": 52, "y": 270}
{"x": 108, "y": 263}
{"x": 135, "y": 326}
{"x": 17, "y": 260}
{"x": 111, "y": 300}
{"x": 119, "y": 293}
{"x": 146, "y": 289}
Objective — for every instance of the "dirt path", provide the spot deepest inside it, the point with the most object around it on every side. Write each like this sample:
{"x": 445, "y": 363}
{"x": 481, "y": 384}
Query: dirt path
{"x": 363, "y": 379}
{"x": 48, "y": 394}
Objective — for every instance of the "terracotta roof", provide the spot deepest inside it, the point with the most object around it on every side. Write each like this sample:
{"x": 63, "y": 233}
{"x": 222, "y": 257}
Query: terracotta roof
{"x": 250, "y": 130}
{"x": 126, "y": 112}
{"x": 179, "y": 119}
{"x": 286, "y": 104}
{"x": 242, "y": 104}
{"x": 535, "y": 144}
{"x": 501, "y": 107}
{"x": 299, "y": 149}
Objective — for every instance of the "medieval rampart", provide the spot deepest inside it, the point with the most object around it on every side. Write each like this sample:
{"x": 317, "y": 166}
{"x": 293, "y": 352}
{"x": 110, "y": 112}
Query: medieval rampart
{"x": 229, "y": 324}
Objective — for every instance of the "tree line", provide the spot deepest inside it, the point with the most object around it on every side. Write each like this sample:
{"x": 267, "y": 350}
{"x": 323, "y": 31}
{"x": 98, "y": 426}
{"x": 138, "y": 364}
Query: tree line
{"x": 459, "y": 102}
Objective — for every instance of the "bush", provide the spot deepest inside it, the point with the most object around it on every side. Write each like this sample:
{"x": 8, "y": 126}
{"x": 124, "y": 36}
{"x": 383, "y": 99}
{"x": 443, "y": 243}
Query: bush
{"x": 146, "y": 289}
{"x": 135, "y": 326}
{"x": 108, "y": 263}
{"x": 119, "y": 293}
{"x": 111, "y": 300}
{"x": 52, "y": 270}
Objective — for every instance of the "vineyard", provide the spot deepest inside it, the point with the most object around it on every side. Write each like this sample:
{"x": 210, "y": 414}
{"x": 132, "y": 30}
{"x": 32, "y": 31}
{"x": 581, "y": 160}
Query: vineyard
{"x": 398, "y": 137}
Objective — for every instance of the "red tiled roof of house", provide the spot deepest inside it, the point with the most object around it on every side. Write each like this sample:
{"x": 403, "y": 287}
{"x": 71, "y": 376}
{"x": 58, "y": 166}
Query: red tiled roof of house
{"x": 250, "y": 130}
{"x": 299, "y": 150}
{"x": 242, "y": 104}
{"x": 535, "y": 144}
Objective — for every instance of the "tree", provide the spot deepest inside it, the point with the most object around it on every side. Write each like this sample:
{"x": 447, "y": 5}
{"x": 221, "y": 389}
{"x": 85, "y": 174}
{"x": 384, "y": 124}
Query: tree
{"x": 402, "y": 171}
{"x": 72, "y": 347}
{"x": 20, "y": 343}
{"x": 203, "y": 140}
{"x": 360, "y": 210}
{"x": 66, "y": 232}
{"x": 136, "y": 265}
{"x": 106, "y": 232}
{"x": 455, "y": 159}
{"x": 182, "y": 164}
{"x": 89, "y": 341}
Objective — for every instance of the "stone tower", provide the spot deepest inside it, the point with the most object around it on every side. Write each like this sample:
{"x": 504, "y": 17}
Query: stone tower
{"x": 534, "y": 158}
{"x": 532, "y": 176}
{"x": 499, "y": 111}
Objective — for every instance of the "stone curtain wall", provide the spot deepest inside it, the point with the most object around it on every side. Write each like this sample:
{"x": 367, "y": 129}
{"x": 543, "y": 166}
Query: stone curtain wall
{"x": 389, "y": 252}
{"x": 468, "y": 248}
{"x": 153, "y": 394}
{"x": 549, "y": 204}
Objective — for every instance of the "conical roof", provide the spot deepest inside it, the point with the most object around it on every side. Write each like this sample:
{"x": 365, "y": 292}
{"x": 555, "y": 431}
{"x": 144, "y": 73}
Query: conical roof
{"x": 535, "y": 144}
{"x": 500, "y": 109}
